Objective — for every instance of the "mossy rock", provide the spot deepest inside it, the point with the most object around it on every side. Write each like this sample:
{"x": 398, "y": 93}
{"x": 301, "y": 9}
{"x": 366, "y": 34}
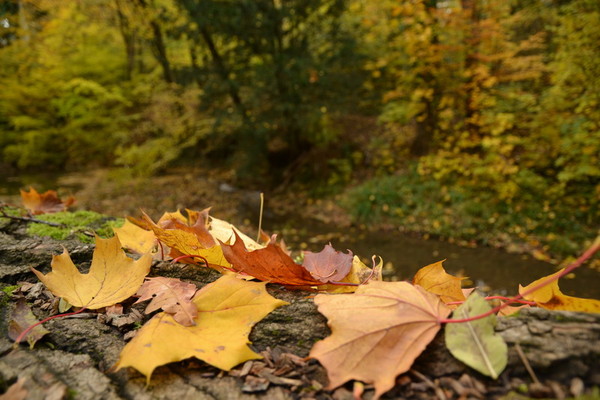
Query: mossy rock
{"x": 79, "y": 224}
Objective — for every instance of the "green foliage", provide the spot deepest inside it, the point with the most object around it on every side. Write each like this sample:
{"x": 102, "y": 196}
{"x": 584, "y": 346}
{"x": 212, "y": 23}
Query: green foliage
{"x": 75, "y": 224}
{"x": 415, "y": 202}
{"x": 493, "y": 104}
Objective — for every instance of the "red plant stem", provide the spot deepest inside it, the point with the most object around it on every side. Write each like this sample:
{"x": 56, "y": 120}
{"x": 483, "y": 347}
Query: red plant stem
{"x": 577, "y": 263}
{"x": 29, "y": 328}
{"x": 162, "y": 250}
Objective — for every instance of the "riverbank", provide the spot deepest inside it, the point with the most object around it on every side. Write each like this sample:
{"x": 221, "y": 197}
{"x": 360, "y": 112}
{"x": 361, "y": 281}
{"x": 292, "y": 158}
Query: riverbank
{"x": 307, "y": 223}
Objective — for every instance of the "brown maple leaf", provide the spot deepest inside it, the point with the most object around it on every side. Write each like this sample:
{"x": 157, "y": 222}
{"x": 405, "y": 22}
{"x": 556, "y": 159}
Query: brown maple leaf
{"x": 172, "y": 295}
{"x": 377, "y": 332}
{"x": 270, "y": 264}
{"x": 45, "y": 203}
{"x": 328, "y": 265}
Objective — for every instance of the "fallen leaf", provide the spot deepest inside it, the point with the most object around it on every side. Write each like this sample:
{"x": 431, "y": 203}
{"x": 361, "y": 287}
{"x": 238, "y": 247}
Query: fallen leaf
{"x": 22, "y": 318}
{"x": 510, "y": 310}
{"x": 359, "y": 274}
{"x": 270, "y": 264}
{"x": 172, "y": 295}
{"x": 16, "y": 391}
{"x": 475, "y": 343}
{"x": 227, "y": 310}
{"x": 434, "y": 279}
{"x": 552, "y": 298}
{"x": 377, "y": 332}
{"x": 223, "y": 231}
{"x": 328, "y": 265}
{"x": 135, "y": 238}
{"x": 47, "y": 202}
{"x": 190, "y": 241}
{"x": 112, "y": 278}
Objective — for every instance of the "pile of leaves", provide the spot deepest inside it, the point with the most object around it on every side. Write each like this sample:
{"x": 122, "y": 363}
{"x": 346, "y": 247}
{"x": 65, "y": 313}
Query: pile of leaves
{"x": 378, "y": 328}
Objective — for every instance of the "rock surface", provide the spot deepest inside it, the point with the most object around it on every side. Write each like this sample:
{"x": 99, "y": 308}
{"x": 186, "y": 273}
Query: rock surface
{"x": 75, "y": 359}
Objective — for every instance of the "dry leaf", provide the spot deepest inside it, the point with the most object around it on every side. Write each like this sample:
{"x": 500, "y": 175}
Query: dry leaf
{"x": 328, "y": 265}
{"x": 113, "y": 277}
{"x": 552, "y": 298}
{"x": 190, "y": 241}
{"x": 227, "y": 310}
{"x": 22, "y": 318}
{"x": 434, "y": 279}
{"x": 172, "y": 295}
{"x": 377, "y": 332}
{"x": 16, "y": 391}
{"x": 505, "y": 311}
{"x": 359, "y": 274}
{"x": 47, "y": 202}
{"x": 135, "y": 238}
{"x": 224, "y": 231}
{"x": 270, "y": 264}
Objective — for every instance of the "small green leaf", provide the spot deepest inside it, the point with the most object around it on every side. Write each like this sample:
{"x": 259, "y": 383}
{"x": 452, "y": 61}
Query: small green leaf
{"x": 475, "y": 343}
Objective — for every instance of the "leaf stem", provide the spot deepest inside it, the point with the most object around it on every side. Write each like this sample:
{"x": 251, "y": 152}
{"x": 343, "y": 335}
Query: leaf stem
{"x": 577, "y": 263}
{"x": 31, "y": 327}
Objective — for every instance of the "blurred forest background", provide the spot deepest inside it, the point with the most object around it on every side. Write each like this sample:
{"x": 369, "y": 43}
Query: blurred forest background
{"x": 471, "y": 119}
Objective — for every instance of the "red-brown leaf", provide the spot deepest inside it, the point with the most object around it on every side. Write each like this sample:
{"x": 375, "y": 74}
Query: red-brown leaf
{"x": 45, "y": 203}
{"x": 172, "y": 295}
{"x": 270, "y": 264}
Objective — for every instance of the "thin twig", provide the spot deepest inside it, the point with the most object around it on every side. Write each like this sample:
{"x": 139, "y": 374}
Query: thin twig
{"x": 260, "y": 216}
{"x": 438, "y": 390}
{"x": 526, "y": 363}
{"x": 30, "y": 219}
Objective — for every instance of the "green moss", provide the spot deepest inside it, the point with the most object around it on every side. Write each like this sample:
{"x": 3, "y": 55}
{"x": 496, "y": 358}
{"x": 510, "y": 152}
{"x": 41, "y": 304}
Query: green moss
{"x": 10, "y": 289}
{"x": 79, "y": 224}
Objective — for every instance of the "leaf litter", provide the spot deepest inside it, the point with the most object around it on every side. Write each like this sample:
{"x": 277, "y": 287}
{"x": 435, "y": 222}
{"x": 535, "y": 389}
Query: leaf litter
{"x": 337, "y": 375}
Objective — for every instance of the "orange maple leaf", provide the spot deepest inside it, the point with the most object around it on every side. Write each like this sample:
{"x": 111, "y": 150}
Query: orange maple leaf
{"x": 45, "y": 203}
{"x": 377, "y": 332}
{"x": 434, "y": 279}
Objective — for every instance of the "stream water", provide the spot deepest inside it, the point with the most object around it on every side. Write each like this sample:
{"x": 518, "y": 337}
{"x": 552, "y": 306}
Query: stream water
{"x": 492, "y": 270}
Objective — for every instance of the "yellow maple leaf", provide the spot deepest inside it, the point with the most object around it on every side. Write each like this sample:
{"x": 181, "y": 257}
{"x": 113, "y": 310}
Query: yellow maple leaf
{"x": 113, "y": 277}
{"x": 135, "y": 238}
{"x": 552, "y": 298}
{"x": 227, "y": 310}
{"x": 434, "y": 279}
